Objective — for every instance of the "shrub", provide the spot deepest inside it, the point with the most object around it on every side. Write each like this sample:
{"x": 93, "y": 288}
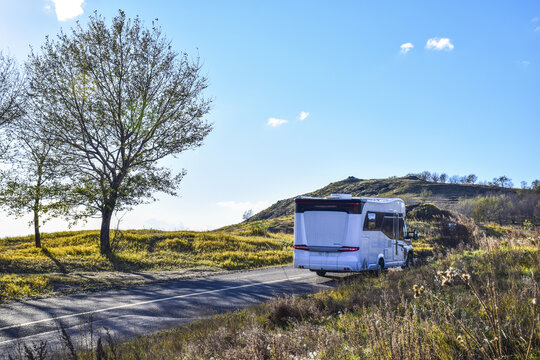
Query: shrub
{"x": 427, "y": 212}
{"x": 258, "y": 228}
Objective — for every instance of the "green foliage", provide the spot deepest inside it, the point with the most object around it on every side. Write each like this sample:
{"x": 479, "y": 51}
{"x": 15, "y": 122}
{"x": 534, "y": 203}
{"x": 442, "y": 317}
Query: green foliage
{"x": 11, "y": 91}
{"x": 16, "y": 286}
{"x": 427, "y": 212}
{"x": 503, "y": 208}
{"x": 258, "y": 228}
{"x": 114, "y": 150}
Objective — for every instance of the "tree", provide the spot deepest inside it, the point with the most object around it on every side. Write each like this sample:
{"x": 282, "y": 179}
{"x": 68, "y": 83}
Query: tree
{"x": 435, "y": 177}
{"x": 424, "y": 175}
{"x": 535, "y": 185}
{"x": 503, "y": 181}
{"x": 443, "y": 178}
{"x": 455, "y": 179}
{"x": 117, "y": 100}
{"x": 471, "y": 179}
{"x": 11, "y": 91}
{"x": 247, "y": 214}
{"x": 524, "y": 185}
{"x": 34, "y": 182}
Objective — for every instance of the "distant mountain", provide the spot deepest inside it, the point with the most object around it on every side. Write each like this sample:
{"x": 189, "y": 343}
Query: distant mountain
{"x": 410, "y": 188}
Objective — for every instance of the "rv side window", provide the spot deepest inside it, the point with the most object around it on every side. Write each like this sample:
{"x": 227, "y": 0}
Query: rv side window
{"x": 371, "y": 217}
{"x": 373, "y": 221}
{"x": 388, "y": 226}
{"x": 402, "y": 229}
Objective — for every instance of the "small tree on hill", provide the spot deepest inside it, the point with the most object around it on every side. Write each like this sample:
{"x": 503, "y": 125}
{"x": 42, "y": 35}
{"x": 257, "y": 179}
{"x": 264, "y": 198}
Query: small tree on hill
{"x": 471, "y": 179}
{"x": 443, "y": 178}
{"x": 117, "y": 100}
{"x": 502, "y": 181}
{"x": 535, "y": 185}
{"x": 424, "y": 175}
{"x": 247, "y": 214}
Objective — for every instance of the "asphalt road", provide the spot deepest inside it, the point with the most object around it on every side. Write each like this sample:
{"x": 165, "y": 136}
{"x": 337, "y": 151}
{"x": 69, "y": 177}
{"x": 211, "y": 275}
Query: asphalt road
{"x": 145, "y": 309}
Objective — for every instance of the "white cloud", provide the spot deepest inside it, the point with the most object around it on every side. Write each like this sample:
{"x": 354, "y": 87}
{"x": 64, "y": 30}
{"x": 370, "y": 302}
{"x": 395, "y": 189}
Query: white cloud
{"x": 537, "y": 29}
{"x": 68, "y": 9}
{"x": 535, "y": 19}
{"x": 525, "y": 62}
{"x": 303, "y": 115}
{"x": 246, "y": 205}
{"x": 439, "y": 44}
{"x": 405, "y": 48}
{"x": 273, "y": 122}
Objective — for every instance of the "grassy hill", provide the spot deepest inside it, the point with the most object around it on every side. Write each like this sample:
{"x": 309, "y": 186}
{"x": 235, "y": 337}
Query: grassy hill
{"x": 411, "y": 189}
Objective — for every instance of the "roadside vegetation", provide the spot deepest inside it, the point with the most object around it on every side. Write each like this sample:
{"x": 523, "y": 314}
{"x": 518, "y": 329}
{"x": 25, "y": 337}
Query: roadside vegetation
{"x": 480, "y": 302}
{"x": 71, "y": 261}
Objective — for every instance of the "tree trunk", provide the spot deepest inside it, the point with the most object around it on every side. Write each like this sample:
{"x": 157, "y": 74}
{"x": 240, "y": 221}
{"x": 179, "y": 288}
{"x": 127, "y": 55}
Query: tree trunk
{"x": 104, "y": 234}
{"x": 37, "y": 198}
{"x": 37, "y": 235}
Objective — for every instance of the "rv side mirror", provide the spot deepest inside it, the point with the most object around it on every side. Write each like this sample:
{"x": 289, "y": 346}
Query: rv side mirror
{"x": 412, "y": 235}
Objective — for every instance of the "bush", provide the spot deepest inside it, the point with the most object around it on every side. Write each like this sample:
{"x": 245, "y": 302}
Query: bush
{"x": 258, "y": 228}
{"x": 427, "y": 212}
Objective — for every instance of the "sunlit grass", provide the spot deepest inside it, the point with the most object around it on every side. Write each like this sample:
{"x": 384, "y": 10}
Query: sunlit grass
{"x": 474, "y": 304}
{"x": 38, "y": 271}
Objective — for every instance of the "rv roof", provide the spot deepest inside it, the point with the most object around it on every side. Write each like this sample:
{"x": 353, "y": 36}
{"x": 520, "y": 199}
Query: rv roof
{"x": 366, "y": 199}
{"x": 379, "y": 200}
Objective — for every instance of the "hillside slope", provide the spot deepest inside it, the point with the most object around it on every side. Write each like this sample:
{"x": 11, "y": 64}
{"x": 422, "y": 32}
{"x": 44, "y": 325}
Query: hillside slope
{"x": 410, "y": 188}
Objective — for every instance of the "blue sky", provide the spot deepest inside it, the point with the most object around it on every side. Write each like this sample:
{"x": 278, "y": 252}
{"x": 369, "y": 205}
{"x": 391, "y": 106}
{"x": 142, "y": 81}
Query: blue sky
{"x": 386, "y": 88}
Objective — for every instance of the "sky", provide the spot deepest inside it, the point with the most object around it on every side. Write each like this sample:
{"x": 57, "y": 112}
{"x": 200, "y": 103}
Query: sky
{"x": 309, "y": 92}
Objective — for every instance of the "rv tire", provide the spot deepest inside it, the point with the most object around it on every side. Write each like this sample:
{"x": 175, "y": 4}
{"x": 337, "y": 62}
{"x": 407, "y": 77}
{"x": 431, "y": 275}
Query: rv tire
{"x": 380, "y": 267}
{"x": 321, "y": 272}
{"x": 409, "y": 262}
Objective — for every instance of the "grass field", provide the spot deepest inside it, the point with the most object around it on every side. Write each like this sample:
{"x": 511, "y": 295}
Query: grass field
{"x": 471, "y": 304}
{"x": 473, "y": 296}
{"x": 70, "y": 261}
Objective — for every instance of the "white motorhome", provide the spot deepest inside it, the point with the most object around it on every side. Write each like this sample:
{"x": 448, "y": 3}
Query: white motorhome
{"x": 344, "y": 233}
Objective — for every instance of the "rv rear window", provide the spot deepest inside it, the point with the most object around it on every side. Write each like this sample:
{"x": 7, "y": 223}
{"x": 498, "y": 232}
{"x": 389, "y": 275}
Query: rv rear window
{"x": 310, "y": 205}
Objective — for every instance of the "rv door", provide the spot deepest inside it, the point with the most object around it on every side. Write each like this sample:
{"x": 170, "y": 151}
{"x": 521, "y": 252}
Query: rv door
{"x": 389, "y": 229}
{"x": 396, "y": 236}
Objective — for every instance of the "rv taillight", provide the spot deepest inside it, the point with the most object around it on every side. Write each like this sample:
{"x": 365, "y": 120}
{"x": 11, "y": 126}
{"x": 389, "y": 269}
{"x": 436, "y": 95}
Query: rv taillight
{"x": 301, "y": 247}
{"x": 348, "y": 248}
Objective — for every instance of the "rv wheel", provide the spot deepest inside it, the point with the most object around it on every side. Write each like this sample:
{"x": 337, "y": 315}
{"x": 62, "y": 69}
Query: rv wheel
{"x": 321, "y": 272}
{"x": 409, "y": 263}
{"x": 380, "y": 267}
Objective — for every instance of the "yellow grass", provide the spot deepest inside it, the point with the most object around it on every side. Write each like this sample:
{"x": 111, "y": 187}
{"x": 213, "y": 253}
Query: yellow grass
{"x": 29, "y": 271}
